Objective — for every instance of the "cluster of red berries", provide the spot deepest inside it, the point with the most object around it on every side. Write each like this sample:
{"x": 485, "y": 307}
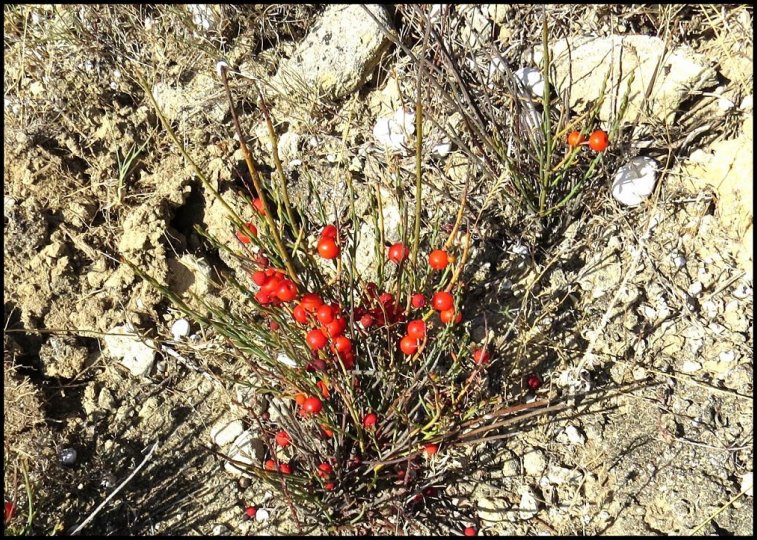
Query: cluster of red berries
{"x": 598, "y": 140}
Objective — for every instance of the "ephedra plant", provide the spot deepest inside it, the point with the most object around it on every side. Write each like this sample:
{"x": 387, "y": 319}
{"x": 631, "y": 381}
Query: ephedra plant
{"x": 379, "y": 384}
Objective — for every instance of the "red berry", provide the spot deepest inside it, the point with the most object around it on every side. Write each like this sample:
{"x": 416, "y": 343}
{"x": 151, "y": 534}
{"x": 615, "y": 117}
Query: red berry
{"x": 249, "y": 512}
{"x": 327, "y": 431}
{"x": 386, "y": 299}
{"x": 533, "y": 381}
{"x": 259, "y": 278}
{"x": 257, "y": 202}
{"x": 418, "y": 300}
{"x": 481, "y": 356}
{"x": 598, "y": 141}
{"x": 336, "y": 327}
{"x": 262, "y": 261}
{"x": 299, "y": 314}
{"x": 438, "y": 259}
{"x": 327, "y": 248}
{"x": 342, "y": 344}
{"x": 285, "y": 468}
{"x": 329, "y": 486}
{"x": 324, "y": 470}
{"x": 431, "y": 449}
{"x": 416, "y": 329}
{"x": 270, "y": 465}
{"x": 312, "y": 405}
{"x": 316, "y": 340}
{"x": 442, "y": 301}
{"x": 316, "y": 365}
{"x": 263, "y": 297}
{"x": 311, "y": 302}
{"x": 300, "y": 399}
{"x": 408, "y": 345}
{"x": 245, "y": 239}
{"x": 325, "y": 314}
{"x": 347, "y": 359}
{"x": 450, "y": 316}
{"x": 470, "y": 531}
{"x": 329, "y": 231}
{"x": 274, "y": 326}
{"x": 575, "y": 138}
{"x": 369, "y": 420}
{"x": 283, "y": 438}
{"x": 10, "y": 509}
{"x": 367, "y": 320}
{"x": 398, "y": 253}
{"x": 286, "y": 291}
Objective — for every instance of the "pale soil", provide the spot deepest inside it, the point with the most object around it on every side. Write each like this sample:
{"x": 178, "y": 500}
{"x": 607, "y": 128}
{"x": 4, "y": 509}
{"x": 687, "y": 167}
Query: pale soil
{"x": 666, "y": 422}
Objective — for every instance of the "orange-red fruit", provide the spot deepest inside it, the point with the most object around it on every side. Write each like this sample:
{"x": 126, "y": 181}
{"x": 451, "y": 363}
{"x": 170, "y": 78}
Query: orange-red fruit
{"x": 431, "y": 449}
{"x": 259, "y": 278}
{"x": 398, "y": 253}
{"x": 327, "y": 248}
{"x": 450, "y": 316}
{"x": 408, "y": 345}
{"x": 416, "y": 329}
{"x": 367, "y": 320}
{"x": 438, "y": 259}
{"x": 442, "y": 301}
{"x": 598, "y": 141}
{"x": 329, "y": 231}
{"x": 481, "y": 356}
{"x": 286, "y": 291}
{"x": 285, "y": 468}
{"x": 329, "y": 486}
{"x": 533, "y": 381}
{"x": 312, "y": 405}
{"x": 250, "y": 512}
{"x": 243, "y": 237}
{"x": 324, "y": 469}
{"x": 369, "y": 420}
{"x": 299, "y": 314}
{"x": 470, "y": 531}
{"x": 336, "y": 327}
{"x": 342, "y": 344}
{"x": 418, "y": 300}
{"x": 257, "y": 202}
{"x": 325, "y": 314}
{"x": 327, "y": 431}
{"x": 270, "y": 465}
{"x": 300, "y": 399}
{"x": 324, "y": 388}
{"x": 283, "y": 438}
{"x": 311, "y": 302}
{"x": 575, "y": 138}
{"x": 316, "y": 340}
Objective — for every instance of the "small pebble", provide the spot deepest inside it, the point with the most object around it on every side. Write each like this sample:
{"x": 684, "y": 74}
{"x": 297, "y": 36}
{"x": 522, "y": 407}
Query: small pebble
{"x": 244, "y": 482}
{"x": 180, "y": 329}
{"x": 534, "y": 462}
{"x": 695, "y": 288}
{"x": 262, "y": 514}
{"x": 68, "y": 456}
{"x": 742, "y": 291}
{"x": 679, "y": 260}
{"x": 219, "y": 529}
{"x": 727, "y": 356}
{"x": 747, "y": 484}
{"x": 574, "y": 435}
{"x": 691, "y": 366}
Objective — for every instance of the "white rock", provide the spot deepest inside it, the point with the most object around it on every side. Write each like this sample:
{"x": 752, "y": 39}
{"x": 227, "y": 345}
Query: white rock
{"x": 224, "y": 432}
{"x": 747, "y": 484}
{"x": 136, "y": 355}
{"x": 691, "y": 366}
{"x": 727, "y": 356}
{"x": 742, "y": 291}
{"x": 679, "y": 260}
{"x": 442, "y": 149}
{"x": 635, "y": 180}
{"x": 261, "y": 514}
{"x": 246, "y": 449}
{"x": 695, "y": 288}
{"x": 339, "y": 53}
{"x": 395, "y": 132}
{"x": 562, "y": 475}
{"x": 534, "y": 462}
{"x": 180, "y": 329}
{"x": 531, "y": 79}
{"x": 574, "y": 435}
{"x": 529, "y": 505}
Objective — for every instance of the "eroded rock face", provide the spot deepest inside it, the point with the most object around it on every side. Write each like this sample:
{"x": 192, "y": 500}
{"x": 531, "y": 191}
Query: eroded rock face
{"x": 339, "y": 53}
{"x": 582, "y": 63}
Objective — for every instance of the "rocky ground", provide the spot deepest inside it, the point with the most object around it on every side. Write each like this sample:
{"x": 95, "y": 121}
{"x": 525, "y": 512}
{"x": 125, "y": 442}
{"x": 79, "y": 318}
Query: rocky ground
{"x": 645, "y": 313}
